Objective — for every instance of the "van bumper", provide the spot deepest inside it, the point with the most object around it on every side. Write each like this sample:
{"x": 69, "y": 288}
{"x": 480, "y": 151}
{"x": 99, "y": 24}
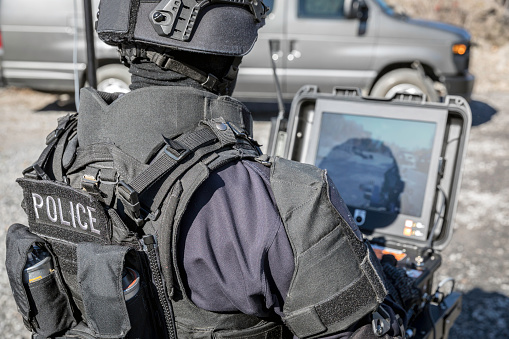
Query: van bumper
{"x": 462, "y": 85}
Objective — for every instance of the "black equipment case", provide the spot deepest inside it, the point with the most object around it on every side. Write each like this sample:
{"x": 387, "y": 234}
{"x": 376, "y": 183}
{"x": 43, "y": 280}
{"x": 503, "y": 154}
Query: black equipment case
{"x": 397, "y": 163}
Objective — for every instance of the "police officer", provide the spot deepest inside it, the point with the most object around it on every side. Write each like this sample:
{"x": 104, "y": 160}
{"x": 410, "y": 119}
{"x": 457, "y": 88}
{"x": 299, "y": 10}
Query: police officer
{"x": 249, "y": 246}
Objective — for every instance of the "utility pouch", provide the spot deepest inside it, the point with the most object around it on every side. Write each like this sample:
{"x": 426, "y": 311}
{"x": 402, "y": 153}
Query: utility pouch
{"x": 114, "y": 291}
{"x": 43, "y": 303}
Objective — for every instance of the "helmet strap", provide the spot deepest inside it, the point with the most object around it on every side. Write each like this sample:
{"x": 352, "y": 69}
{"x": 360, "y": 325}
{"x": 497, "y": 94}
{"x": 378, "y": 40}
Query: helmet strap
{"x": 207, "y": 80}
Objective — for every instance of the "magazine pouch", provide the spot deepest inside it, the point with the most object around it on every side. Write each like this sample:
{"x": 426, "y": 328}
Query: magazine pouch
{"x": 100, "y": 281}
{"x": 42, "y": 302}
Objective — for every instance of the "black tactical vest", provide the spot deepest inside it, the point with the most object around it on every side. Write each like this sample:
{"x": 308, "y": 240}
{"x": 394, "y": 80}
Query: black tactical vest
{"x": 107, "y": 196}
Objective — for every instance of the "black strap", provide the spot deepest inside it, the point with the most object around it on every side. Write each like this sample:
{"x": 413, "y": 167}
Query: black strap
{"x": 166, "y": 235}
{"x": 59, "y": 152}
{"x": 180, "y": 148}
{"x": 178, "y": 172}
{"x": 185, "y": 149}
{"x": 165, "y": 61}
{"x": 186, "y": 144}
{"x": 66, "y": 122}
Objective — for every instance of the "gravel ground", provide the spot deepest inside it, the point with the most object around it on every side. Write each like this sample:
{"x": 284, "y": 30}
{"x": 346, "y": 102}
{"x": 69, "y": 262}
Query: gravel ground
{"x": 476, "y": 257}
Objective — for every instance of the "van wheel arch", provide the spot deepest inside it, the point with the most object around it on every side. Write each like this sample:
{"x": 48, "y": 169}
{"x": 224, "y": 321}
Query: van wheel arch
{"x": 113, "y": 78}
{"x": 407, "y": 80}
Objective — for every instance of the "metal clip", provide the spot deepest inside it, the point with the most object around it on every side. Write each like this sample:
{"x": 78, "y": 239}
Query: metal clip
{"x": 380, "y": 323}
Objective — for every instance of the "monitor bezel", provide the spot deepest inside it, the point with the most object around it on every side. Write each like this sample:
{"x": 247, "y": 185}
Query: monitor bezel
{"x": 437, "y": 115}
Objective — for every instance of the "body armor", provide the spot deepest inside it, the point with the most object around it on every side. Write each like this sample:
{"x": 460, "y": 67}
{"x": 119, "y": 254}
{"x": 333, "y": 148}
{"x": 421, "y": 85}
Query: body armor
{"x": 107, "y": 195}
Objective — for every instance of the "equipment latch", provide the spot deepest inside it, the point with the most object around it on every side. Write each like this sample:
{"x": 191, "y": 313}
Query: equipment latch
{"x": 380, "y": 322}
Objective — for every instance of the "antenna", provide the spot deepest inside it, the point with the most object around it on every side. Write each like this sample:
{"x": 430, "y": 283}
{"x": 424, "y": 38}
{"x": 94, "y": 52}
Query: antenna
{"x": 89, "y": 34}
{"x": 75, "y": 58}
{"x": 274, "y": 46}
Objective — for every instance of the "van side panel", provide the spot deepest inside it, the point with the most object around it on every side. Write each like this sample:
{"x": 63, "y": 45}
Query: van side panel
{"x": 329, "y": 48}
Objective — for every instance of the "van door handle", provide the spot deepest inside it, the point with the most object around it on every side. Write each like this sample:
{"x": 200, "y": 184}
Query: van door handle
{"x": 294, "y": 52}
{"x": 363, "y": 15}
{"x": 275, "y": 49}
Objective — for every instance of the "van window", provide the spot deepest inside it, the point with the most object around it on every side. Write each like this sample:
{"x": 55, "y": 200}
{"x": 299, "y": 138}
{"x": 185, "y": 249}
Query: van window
{"x": 320, "y": 9}
{"x": 270, "y": 4}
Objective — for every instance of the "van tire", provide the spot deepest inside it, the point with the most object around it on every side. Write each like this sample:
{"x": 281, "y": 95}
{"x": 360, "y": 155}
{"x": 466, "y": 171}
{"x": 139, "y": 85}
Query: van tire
{"x": 113, "y": 78}
{"x": 404, "y": 79}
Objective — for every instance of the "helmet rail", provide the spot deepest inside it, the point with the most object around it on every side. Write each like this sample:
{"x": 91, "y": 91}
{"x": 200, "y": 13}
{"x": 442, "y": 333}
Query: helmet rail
{"x": 176, "y": 18}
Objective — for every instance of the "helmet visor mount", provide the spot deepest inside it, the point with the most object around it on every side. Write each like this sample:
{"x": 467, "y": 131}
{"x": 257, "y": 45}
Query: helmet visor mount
{"x": 176, "y": 18}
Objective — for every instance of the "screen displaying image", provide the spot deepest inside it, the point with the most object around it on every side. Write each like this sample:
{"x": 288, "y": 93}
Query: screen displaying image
{"x": 377, "y": 164}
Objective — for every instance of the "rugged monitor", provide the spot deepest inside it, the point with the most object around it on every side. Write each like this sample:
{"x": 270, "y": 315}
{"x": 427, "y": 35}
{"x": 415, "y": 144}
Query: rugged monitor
{"x": 385, "y": 162}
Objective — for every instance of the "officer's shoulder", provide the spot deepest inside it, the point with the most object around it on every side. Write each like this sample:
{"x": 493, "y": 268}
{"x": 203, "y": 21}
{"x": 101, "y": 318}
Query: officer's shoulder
{"x": 288, "y": 170}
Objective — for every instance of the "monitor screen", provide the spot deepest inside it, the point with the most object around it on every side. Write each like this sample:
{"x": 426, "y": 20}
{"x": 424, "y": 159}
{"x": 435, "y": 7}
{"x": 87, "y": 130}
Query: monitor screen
{"x": 384, "y": 162}
{"x": 378, "y": 164}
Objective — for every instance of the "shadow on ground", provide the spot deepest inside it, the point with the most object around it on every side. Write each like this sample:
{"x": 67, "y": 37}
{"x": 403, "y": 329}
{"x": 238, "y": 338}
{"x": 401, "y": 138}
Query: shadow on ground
{"x": 481, "y": 112}
{"x": 484, "y": 315}
{"x": 59, "y": 106}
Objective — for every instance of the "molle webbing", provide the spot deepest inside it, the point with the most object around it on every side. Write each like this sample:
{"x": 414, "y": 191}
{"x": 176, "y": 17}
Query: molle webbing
{"x": 335, "y": 282}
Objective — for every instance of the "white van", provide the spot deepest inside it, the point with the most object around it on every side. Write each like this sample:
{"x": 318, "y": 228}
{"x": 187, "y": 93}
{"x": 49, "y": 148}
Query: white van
{"x": 354, "y": 43}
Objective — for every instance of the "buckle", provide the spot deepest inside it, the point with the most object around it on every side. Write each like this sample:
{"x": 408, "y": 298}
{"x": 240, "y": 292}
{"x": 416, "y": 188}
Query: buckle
{"x": 176, "y": 155}
{"x": 211, "y": 83}
{"x": 90, "y": 184}
{"x": 131, "y": 197}
{"x": 39, "y": 172}
{"x": 175, "y": 150}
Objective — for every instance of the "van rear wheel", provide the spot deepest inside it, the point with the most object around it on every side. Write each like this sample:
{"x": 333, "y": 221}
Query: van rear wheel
{"x": 406, "y": 81}
{"x": 113, "y": 78}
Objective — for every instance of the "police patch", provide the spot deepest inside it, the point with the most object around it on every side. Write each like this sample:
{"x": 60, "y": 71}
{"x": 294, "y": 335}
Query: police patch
{"x": 55, "y": 209}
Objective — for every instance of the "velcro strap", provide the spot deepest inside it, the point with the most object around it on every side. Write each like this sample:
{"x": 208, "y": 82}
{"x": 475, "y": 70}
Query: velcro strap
{"x": 305, "y": 323}
{"x": 342, "y": 310}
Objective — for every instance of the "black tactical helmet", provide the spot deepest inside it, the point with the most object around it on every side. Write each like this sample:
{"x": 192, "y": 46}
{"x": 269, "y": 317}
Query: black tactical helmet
{"x": 218, "y": 27}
